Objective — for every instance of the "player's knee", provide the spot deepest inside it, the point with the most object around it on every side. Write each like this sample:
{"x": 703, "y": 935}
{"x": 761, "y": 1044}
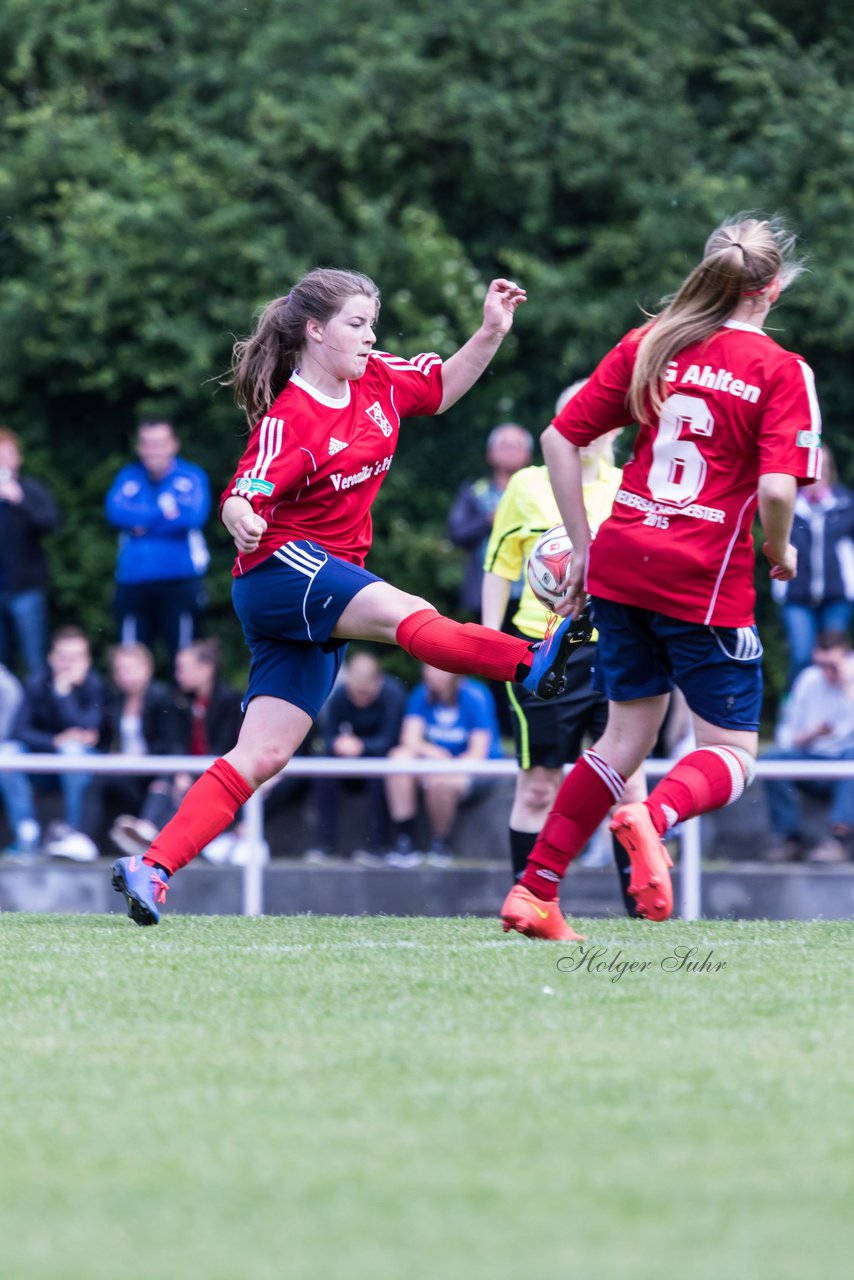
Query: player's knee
{"x": 268, "y": 760}
{"x": 537, "y": 789}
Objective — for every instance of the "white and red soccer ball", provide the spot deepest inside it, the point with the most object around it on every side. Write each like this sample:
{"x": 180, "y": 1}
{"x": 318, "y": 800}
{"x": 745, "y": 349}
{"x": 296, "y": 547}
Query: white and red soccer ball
{"x": 548, "y": 565}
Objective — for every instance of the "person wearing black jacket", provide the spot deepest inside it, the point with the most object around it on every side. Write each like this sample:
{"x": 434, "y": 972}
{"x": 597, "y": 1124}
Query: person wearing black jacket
{"x": 361, "y": 718}
{"x": 63, "y": 711}
{"x": 821, "y": 595}
{"x": 140, "y": 718}
{"x": 28, "y": 513}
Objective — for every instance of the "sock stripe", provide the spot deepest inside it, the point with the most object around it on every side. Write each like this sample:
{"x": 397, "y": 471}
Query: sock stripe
{"x": 736, "y": 772}
{"x": 612, "y": 780}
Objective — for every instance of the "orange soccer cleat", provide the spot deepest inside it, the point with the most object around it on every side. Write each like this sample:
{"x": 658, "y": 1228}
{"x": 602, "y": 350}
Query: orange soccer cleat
{"x": 528, "y": 914}
{"x": 650, "y": 884}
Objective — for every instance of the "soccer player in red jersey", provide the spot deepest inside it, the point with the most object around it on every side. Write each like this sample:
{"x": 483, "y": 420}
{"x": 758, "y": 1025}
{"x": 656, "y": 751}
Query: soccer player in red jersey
{"x": 325, "y": 411}
{"x": 728, "y": 423}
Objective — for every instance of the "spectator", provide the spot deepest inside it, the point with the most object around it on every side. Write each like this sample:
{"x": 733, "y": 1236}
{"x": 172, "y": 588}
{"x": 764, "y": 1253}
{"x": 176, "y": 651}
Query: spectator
{"x": 447, "y": 718}
{"x": 28, "y": 513}
{"x": 817, "y": 724}
{"x": 62, "y": 710}
{"x": 821, "y": 595}
{"x": 361, "y": 718}
{"x": 208, "y": 714}
{"x": 11, "y": 697}
{"x": 160, "y": 504}
{"x": 509, "y": 447}
{"x": 139, "y": 719}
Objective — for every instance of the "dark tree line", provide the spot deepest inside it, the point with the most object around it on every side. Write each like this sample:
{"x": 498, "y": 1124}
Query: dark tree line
{"x": 167, "y": 169}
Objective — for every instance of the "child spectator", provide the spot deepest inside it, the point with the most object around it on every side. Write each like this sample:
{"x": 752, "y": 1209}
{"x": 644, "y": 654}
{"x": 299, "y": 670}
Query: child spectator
{"x": 208, "y": 715}
{"x": 447, "y": 718}
{"x": 139, "y": 719}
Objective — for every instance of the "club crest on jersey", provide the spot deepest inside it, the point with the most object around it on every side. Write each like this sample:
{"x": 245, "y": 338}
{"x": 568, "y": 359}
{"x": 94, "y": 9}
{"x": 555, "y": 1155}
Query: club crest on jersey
{"x": 245, "y": 486}
{"x": 376, "y": 415}
{"x": 335, "y": 446}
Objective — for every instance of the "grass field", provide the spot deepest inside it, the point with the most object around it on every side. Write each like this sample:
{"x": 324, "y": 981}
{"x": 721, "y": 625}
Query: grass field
{"x": 233, "y": 1099}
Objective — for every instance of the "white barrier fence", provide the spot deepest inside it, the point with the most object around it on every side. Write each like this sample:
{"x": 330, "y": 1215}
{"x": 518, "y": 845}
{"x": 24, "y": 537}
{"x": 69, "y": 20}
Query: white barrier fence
{"x": 690, "y": 897}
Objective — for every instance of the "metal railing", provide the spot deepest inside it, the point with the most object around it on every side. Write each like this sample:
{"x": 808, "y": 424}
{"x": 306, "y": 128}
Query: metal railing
{"x": 690, "y": 852}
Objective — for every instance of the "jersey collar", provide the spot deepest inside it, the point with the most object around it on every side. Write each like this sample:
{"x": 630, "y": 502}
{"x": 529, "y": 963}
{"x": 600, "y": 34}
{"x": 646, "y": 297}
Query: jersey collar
{"x": 331, "y": 402}
{"x": 748, "y": 328}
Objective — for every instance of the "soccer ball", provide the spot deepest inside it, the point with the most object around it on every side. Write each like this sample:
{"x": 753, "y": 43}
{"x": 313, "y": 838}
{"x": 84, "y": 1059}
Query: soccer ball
{"x": 548, "y": 565}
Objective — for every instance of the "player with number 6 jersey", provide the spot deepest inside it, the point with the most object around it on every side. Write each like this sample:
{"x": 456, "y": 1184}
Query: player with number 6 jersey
{"x": 737, "y": 406}
{"x": 728, "y": 423}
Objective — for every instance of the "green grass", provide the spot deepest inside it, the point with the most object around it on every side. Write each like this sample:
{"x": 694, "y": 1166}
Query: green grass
{"x": 231, "y": 1099}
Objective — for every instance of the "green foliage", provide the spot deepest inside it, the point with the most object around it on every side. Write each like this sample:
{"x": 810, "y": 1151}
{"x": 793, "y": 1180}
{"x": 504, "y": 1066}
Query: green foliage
{"x": 167, "y": 169}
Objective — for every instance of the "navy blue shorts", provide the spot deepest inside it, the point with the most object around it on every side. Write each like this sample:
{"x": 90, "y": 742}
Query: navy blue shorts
{"x": 642, "y": 653}
{"x": 288, "y": 607}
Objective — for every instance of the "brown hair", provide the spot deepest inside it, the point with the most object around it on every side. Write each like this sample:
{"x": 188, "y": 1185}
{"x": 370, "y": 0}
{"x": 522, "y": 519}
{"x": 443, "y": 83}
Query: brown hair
{"x": 262, "y": 363}
{"x": 742, "y": 257}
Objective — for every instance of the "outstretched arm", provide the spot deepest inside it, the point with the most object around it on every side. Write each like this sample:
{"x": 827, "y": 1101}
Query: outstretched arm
{"x": 462, "y": 370}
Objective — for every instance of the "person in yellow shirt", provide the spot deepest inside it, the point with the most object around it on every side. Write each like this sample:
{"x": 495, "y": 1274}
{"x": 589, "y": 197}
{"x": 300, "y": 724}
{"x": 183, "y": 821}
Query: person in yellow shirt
{"x": 548, "y": 734}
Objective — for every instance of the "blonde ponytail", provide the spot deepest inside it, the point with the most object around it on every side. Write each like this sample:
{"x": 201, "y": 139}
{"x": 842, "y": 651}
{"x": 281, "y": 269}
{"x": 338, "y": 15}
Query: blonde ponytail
{"x": 742, "y": 257}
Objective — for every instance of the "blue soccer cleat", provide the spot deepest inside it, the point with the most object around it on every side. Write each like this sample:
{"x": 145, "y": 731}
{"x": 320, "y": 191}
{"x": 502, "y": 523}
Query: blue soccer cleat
{"x": 546, "y": 678}
{"x": 144, "y": 888}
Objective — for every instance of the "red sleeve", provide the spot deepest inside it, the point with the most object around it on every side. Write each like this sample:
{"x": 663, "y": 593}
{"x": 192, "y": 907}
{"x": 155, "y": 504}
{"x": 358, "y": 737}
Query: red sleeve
{"x": 600, "y": 405}
{"x": 272, "y": 460}
{"x": 416, "y": 383}
{"x": 790, "y": 434}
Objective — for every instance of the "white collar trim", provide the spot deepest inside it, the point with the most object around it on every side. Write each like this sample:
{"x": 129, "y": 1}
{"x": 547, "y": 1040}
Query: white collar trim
{"x": 739, "y": 324}
{"x": 331, "y": 402}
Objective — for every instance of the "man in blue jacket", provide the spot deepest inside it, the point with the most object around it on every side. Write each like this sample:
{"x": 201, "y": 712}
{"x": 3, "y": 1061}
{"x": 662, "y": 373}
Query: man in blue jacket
{"x": 160, "y": 505}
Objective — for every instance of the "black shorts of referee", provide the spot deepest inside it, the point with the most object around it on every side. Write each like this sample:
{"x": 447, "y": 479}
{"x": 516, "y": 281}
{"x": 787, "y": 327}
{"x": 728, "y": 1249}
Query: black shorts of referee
{"x": 550, "y": 734}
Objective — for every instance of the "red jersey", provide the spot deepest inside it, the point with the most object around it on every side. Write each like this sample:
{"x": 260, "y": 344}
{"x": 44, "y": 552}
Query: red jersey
{"x": 314, "y": 465}
{"x": 679, "y": 539}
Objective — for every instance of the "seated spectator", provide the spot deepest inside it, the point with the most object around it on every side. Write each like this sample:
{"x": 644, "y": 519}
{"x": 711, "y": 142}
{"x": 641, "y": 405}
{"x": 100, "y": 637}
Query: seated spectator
{"x": 817, "y": 724}
{"x": 821, "y": 595}
{"x": 28, "y": 513}
{"x": 208, "y": 715}
{"x": 448, "y": 718}
{"x": 62, "y": 710}
{"x": 362, "y": 717}
{"x": 139, "y": 719}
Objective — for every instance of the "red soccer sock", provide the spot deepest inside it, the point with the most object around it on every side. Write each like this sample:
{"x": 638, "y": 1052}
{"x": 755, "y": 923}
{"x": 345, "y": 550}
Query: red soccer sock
{"x": 585, "y": 796}
{"x": 705, "y": 779}
{"x": 206, "y": 810}
{"x": 463, "y": 647}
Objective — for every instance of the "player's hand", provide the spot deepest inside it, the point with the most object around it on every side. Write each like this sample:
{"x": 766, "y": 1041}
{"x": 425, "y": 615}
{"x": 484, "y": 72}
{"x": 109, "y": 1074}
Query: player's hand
{"x": 783, "y": 568}
{"x": 248, "y": 531}
{"x": 499, "y": 305}
{"x": 575, "y": 596}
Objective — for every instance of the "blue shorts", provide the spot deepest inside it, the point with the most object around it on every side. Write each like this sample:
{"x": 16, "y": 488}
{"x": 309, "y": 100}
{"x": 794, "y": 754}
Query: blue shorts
{"x": 642, "y": 653}
{"x": 288, "y": 607}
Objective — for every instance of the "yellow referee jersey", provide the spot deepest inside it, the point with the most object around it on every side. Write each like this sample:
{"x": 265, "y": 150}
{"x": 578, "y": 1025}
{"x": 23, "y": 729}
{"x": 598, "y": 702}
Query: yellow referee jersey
{"x": 527, "y": 508}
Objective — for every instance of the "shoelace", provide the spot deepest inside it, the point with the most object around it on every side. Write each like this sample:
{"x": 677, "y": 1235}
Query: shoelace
{"x": 160, "y": 887}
